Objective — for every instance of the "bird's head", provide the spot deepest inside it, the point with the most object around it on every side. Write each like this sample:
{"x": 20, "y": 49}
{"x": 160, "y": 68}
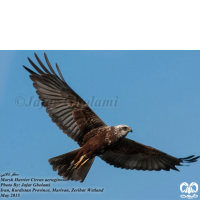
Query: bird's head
{"x": 123, "y": 129}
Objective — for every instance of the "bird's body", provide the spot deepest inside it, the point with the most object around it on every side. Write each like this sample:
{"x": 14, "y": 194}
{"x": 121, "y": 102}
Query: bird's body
{"x": 98, "y": 140}
{"x": 72, "y": 115}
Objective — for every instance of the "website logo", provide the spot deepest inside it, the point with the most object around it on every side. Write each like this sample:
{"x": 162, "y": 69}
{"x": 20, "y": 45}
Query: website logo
{"x": 189, "y": 190}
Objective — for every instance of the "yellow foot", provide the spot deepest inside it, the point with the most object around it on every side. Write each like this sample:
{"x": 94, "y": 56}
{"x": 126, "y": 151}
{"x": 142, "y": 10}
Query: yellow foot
{"x": 83, "y": 163}
{"x": 77, "y": 164}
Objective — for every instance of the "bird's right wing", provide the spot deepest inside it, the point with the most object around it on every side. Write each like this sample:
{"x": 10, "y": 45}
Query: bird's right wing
{"x": 66, "y": 108}
{"x": 129, "y": 154}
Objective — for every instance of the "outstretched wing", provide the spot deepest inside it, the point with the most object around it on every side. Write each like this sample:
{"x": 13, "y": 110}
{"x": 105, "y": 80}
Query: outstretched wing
{"x": 68, "y": 110}
{"x": 129, "y": 154}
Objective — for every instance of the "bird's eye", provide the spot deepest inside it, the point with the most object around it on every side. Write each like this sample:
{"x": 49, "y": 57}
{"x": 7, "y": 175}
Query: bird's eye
{"x": 124, "y": 128}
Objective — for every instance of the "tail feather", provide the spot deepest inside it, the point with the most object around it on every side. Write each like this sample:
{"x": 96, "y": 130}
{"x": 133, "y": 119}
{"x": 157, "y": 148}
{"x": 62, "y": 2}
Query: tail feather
{"x": 65, "y": 163}
{"x": 83, "y": 171}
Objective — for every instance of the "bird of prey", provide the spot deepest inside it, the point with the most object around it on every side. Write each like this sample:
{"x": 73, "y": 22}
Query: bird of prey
{"x": 76, "y": 119}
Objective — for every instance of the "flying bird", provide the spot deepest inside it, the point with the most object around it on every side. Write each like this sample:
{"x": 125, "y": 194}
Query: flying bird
{"x": 76, "y": 119}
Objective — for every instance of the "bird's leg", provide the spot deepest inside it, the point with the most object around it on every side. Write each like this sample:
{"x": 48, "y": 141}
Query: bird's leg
{"x": 77, "y": 164}
{"x": 83, "y": 163}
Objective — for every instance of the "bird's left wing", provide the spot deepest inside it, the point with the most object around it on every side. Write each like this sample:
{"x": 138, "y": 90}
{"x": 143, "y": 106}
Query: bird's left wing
{"x": 66, "y": 108}
{"x": 129, "y": 154}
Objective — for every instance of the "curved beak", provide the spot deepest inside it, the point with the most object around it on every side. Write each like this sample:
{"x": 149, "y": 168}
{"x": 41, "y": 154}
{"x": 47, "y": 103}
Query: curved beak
{"x": 131, "y": 130}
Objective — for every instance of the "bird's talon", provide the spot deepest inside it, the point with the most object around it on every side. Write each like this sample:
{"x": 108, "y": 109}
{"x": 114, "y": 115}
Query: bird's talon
{"x": 77, "y": 164}
{"x": 83, "y": 163}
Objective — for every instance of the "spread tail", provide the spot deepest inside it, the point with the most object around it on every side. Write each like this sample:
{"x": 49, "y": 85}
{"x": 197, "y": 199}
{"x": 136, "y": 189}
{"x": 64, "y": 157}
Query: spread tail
{"x": 65, "y": 166}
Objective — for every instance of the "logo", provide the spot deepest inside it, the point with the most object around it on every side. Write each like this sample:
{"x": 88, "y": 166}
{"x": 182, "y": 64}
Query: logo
{"x": 189, "y": 189}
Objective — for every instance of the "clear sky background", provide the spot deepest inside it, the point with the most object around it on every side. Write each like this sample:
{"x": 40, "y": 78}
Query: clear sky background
{"x": 158, "y": 96}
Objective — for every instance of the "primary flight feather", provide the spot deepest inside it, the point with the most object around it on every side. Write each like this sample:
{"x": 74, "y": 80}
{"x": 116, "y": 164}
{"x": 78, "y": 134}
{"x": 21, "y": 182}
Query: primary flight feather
{"x": 76, "y": 119}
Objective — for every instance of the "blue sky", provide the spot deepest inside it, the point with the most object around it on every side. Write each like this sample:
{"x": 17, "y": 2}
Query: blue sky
{"x": 158, "y": 96}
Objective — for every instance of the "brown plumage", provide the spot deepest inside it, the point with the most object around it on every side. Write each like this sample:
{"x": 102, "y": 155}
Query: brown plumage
{"x": 74, "y": 117}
